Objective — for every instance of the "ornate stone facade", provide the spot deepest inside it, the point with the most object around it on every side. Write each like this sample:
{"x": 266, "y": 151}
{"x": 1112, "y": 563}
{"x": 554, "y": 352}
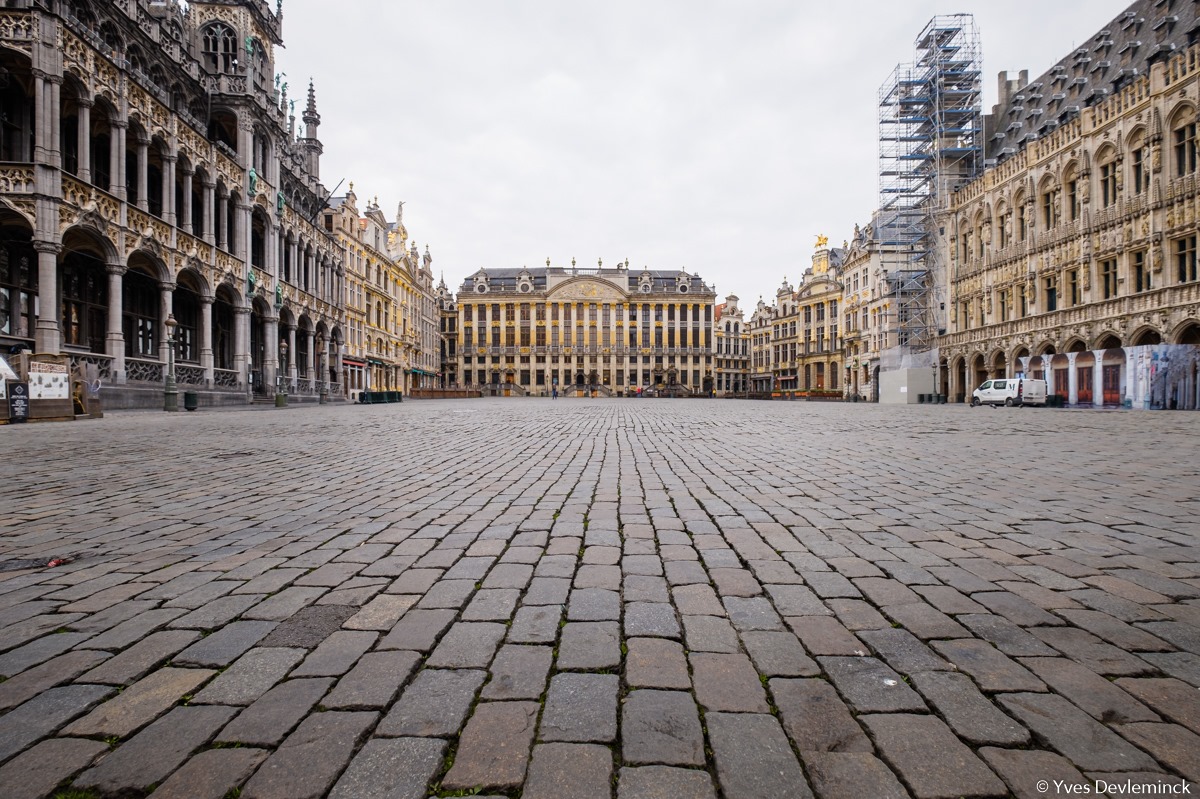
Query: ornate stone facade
{"x": 603, "y": 331}
{"x": 153, "y": 168}
{"x": 1075, "y": 257}
{"x": 731, "y": 349}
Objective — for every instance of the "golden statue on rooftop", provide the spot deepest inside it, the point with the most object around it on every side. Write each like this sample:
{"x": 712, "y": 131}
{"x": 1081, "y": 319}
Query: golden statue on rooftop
{"x": 822, "y": 241}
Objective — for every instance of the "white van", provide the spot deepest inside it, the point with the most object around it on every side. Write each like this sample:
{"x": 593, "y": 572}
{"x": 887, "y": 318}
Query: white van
{"x": 1011, "y": 391}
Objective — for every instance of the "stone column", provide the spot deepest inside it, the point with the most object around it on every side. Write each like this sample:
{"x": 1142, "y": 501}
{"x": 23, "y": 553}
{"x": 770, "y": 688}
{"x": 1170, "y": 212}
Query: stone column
{"x": 168, "y": 189}
{"x": 1072, "y": 389}
{"x": 143, "y": 176}
{"x": 270, "y": 351}
{"x": 241, "y": 345}
{"x": 116, "y": 159}
{"x": 221, "y": 221}
{"x": 47, "y": 333}
{"x": 1098, "y": 378}
{"x": 210, "y": 202}
{"x": 41, "y": 122}
{"x": 84, "y": 139}
{"x": 291, "y": 354}
{"x": 54, "y": 114}
{"x": 206, "y": 340}
{"x": 185, "y": 213}
{"x": 115, "y": 340}
{"x": 167, "y": 295}
{"x": 308, "y": 358}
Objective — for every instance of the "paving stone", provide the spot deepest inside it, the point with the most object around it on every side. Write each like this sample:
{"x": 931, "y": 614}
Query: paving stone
{"x": 1095, "y": 695}
{"x": 580, "y": 708}
{"x": 664, "y": 782}
{"x": 448, "y": 594}
{"x": 1023, "y": 770}
{"x": 925, "y": 622}
{"x": 988, "y": 666}
{"x": 547, "y": 591}
{"x": 61, "y": 669}
{"x": 753, "y": 757}
{"x": 494, "y": 746}
{"x": 36, "y": 772}
{"x": 467, "y": 645}
{"x": 857, "y": 615}
{"x": 967, "y": 711}
{"x": 306, "y": 764}
{"x": 1090, "y": 651}
{"x": 650, "y": 619}
{"x": 148, "y": 757}
{"x": 373, "y": 682}
{"x": 398, "y": 768}
{"x": 796, "y": 600}
{"x": 1004, "y": 635}
{"x": 778, "y": 654}
{"x": 141, "y": 703}
{"x": 802, "y": 701}
{"x": 661, "y": 727}
{"x": 212, "y": 774}
{"x": 869, "y": 686}
{"x": 580, "y": 771}
{"x": 727, "y": 682}
{"x": 697, "y": 600}
{"x": 901, "y": 650}
{"x": 414, "y": 581}
{"x": 929, "y": 758}
{"x": 640, "y": 588}
{"x": 287, "y": 604}
{"x": 752, "y": 613}
{"x": 709, "y": 634}
{"x": 418, "y": 630}
{"x": 1183, "y": 665}
{"x": 1077, "y": 736}
{"x": 44, "y": 714}
{"x": 492, "y": 604}
{"x": 829, "y": 585}
{"x": 519, "y": 672}
{"x": 948, "y": 600}
{"x": 38, "y": 651}
{"x": 594, "y": 604}
{"x": 850, "y": 775}
{"x": 434, "y": 704}
{"x": 535, "y": 624}
{"x": 588, "y": 645}
{"x": 1172, "y": 698}
{"x": 275, "y": 713}
{"x": 226, "y": 645}
{"x": 655, "y": 663}
{"x": 686, "y": 572}
{"x": 381, "y": 613}
{"x": 1118, "y": 633}
{"x": 337, "y": 654}
{"x": 883, "y": 592}
{"x": 825, "y": 635}
{"x": 1175, "y": 747}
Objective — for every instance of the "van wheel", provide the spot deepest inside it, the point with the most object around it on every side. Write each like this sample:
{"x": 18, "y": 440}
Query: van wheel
{"x": 974, "y": 402}
{"x": 1008, "y": 403}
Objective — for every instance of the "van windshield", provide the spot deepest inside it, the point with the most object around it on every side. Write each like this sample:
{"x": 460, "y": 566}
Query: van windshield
{"x": 987, "y": 384}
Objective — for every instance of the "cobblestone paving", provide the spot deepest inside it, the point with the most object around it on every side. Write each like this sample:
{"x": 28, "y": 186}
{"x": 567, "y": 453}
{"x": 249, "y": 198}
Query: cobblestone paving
{"x": 601, "y": 598}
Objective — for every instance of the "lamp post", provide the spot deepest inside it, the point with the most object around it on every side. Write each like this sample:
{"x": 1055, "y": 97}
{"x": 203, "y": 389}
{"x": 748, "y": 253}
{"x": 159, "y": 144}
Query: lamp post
{"x": 280, "y": 376}
{"x": 170, "y": 393}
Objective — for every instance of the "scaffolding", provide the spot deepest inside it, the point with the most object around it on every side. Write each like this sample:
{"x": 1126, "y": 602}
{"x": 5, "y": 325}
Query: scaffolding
{"x": 930, "y": 143}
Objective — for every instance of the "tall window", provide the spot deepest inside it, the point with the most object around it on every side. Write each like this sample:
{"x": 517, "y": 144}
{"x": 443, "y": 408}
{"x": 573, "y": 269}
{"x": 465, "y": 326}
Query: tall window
{"x": 1185, "y": 149}
{"x": 84, "y": 301}
{"x": 1141, "y": 175}
{"x": 1073, "y": 198}
{"x": 1108, "y": 278}
{"x": 1049, "y": 209}
{"x": 1108, "y": 183}
{"x": 140, "y": 310}
{"x": 1051, "y": 293}
{"x": 219, "y": 48}
{"x": 18, "y": 289}
{"x": 1141, "y": 273}
{"x": 1185, "y": 259}
{"x": 1074, "y": 296}
{"x": 1002, "y": 298}
{"x": 1023, "y": 301}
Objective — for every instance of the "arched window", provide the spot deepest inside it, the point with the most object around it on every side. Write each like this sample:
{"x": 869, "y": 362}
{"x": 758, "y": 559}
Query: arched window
{"x": 219, "y": 48}
{"x": 111, "y": 37}
{"x": 1071, "y": 188}
{"x": 137, "y": 61}
{"x": 1139, "y": 157}
{"x": 1107, "y": 158}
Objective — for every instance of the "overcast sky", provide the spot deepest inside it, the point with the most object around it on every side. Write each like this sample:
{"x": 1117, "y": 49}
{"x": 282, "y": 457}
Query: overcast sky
{"x": 717, "y": 136}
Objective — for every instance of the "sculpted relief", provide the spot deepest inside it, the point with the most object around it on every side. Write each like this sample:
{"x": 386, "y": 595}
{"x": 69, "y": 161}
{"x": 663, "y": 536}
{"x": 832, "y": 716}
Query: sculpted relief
{"x": 587, "y": 290}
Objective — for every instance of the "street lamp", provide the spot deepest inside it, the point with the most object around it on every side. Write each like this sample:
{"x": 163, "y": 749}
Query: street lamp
{"x": 322, "y": 396}
{"x": 170, "y": 394}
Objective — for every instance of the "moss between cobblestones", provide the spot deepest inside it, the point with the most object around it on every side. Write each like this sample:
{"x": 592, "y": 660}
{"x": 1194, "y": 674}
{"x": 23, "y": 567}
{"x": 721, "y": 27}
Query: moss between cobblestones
{"x": 76, "y": 793}
{"x": 233, "y": 793}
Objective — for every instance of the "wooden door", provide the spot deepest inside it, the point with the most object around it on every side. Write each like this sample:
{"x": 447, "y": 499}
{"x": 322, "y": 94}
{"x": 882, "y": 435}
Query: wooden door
{"x": 1112, "y": 384}
{"x": 1083, "y": 385}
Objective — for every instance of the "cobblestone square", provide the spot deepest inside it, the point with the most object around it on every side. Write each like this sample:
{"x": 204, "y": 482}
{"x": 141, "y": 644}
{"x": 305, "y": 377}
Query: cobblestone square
{"x": 601, "y": 598}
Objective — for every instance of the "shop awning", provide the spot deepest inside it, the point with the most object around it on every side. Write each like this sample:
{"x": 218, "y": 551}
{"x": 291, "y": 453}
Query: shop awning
{"x": 352, "y": 361}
